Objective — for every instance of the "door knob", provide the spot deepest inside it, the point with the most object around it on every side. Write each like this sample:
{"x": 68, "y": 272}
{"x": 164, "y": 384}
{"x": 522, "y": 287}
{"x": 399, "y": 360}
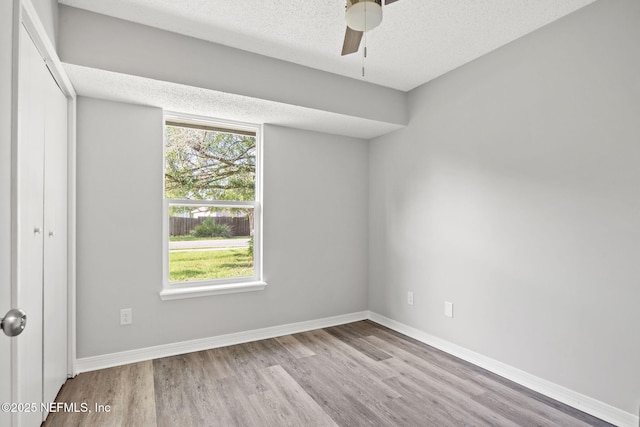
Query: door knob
{"x": 14, "y": 322}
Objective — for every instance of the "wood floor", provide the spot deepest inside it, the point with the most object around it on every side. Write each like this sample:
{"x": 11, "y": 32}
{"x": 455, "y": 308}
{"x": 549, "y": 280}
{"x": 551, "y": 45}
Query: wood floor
{"x": 359, "y": 374}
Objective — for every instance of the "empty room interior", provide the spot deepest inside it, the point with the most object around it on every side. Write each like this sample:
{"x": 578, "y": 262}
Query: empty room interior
{"x": 396, "y": 212}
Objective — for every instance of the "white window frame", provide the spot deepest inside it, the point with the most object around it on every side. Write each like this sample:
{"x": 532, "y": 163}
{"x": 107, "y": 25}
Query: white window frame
{"x": 200, "y": 288}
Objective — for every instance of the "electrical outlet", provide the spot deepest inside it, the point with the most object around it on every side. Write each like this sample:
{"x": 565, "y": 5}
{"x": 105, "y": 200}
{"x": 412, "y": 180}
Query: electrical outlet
{"x": 126, "y": 316}
{"x": 410, "y": 298}
{"x": 448, "y": 309}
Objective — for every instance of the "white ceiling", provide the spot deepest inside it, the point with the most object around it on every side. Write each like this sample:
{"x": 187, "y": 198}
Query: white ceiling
{"x": 417, "y": 41}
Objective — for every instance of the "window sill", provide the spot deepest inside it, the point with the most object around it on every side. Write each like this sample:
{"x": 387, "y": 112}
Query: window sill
{"x": 205, "y": 291}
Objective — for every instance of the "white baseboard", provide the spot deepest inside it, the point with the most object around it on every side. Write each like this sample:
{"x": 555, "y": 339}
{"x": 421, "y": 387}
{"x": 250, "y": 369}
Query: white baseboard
{"x": 87, "y": 364}
{"x": 562, "y": 394}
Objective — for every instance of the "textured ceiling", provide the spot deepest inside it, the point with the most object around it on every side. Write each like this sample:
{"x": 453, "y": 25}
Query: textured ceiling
{"x": 192, "y": 100}
{"x": 417, "y": 41}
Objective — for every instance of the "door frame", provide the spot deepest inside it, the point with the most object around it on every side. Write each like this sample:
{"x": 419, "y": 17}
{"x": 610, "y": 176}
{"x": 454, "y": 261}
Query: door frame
{"x": 25, "y": 15}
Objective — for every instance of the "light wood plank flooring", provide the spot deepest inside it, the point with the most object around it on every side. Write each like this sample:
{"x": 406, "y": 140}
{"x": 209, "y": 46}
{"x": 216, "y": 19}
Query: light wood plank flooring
{"x": 359, "y": 374}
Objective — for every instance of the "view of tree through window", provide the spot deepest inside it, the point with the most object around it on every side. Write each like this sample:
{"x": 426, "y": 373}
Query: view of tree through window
{"x": 210, "y": 179}
{"x": 209, "y": 165}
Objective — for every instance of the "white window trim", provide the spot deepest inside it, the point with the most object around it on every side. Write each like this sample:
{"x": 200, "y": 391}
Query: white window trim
{"x": 201, "y": 288}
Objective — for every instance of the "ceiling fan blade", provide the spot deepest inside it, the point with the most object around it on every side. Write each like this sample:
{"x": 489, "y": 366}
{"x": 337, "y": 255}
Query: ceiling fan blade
{"x": 389, "y": 2}
{"x": 352, "y": 40}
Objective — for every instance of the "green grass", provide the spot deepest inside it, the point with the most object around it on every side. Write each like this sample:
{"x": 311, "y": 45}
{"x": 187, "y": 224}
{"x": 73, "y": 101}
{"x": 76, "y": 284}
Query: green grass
{"x": 202, "y": 265}
{"x": 189, "y": 238}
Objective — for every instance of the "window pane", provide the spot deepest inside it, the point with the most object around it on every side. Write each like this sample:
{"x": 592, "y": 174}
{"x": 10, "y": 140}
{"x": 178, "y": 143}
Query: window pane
{"x": 203, "y": 164}
{"x": 210, "y": 243}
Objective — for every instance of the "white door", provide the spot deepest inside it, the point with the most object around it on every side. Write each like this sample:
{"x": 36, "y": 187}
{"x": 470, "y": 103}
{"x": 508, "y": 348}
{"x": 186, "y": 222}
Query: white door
{"x": 6, "y": 13}
{"x": 32, "y": 77}
{"x": 33, "y": 365}
{"x": 41, "y": 231}
{"x": 55, "y": 242}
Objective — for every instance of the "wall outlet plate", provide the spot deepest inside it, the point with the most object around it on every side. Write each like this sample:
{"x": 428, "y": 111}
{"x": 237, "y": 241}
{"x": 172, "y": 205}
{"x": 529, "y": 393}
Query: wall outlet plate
{"x": 410, "y": 298}
{"x": 126, "y": 316}
{"x": 448, "y": 309}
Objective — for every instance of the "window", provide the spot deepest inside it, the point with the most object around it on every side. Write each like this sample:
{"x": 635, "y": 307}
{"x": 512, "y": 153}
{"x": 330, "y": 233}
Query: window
{"x": 212, "y": 211}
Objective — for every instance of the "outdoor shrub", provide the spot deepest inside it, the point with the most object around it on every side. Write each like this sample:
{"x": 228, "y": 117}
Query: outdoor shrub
{"x": 210, "y": 228}
{"x": 250, "y": 248}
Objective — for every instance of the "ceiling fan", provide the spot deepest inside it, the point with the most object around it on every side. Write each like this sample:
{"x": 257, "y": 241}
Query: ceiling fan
{"x": 362, "y": 15}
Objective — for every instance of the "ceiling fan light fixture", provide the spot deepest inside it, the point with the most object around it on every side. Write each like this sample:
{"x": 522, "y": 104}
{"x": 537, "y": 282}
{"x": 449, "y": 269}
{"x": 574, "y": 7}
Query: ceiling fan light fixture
{"x": 364, "y": 15}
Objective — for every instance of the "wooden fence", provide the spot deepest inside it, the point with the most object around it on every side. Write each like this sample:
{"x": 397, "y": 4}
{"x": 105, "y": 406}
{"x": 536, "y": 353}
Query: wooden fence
{"x": 184, "y": 226}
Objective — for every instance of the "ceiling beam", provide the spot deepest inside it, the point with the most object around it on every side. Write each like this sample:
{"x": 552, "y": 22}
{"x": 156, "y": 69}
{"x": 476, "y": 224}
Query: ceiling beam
{"x": 97, "y": 41}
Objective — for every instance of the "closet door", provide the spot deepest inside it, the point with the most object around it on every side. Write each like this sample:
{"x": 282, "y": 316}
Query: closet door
{"x": 29, "y": 224}
{"x": 55, "y": 241}
{"x": 41, "y": 224}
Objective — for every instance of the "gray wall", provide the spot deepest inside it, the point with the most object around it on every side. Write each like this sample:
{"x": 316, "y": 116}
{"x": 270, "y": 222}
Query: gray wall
{"x": 315, "y": 232}
{"x": 515, "y": 194}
